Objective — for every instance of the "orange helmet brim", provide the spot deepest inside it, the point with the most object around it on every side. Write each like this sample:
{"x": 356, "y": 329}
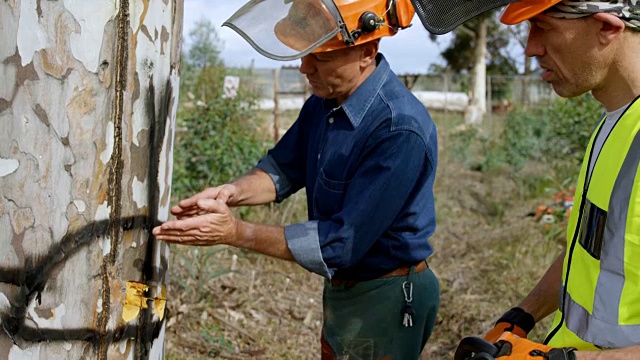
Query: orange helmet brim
{"x": 520, "y": 11}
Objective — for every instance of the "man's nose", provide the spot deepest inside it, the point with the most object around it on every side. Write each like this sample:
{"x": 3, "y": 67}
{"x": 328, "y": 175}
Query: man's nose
{"x": 534, "y": 47}
{"x": 307, "y": 64}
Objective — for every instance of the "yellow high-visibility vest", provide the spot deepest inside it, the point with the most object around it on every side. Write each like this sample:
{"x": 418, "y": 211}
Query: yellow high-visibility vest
{"x": 600, "y": 295}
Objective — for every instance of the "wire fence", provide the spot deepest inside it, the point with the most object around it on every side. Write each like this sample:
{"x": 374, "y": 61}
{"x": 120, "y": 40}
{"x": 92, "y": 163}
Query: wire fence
{"x": 437, "y": 91}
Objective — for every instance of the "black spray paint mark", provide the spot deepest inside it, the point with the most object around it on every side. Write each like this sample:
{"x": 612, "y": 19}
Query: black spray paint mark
{"x": 30, "y": 280}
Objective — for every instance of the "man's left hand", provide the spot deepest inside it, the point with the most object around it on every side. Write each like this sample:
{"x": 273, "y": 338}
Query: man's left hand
{"x": 513, "y": 347}
{"x": 217, "y": 226}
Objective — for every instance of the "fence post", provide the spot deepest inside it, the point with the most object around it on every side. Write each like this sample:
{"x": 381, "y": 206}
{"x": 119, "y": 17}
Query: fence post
{"x": 276, "y": 112}
{"x": 446, "y": 95}
{"x": 489, "y": 100}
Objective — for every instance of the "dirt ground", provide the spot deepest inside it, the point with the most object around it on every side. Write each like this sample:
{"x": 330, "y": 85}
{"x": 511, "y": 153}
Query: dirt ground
{"x": 488, "y": 254}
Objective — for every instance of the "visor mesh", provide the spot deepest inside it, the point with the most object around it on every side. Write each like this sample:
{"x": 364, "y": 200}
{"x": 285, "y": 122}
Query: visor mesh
{"x": 441, "y": 16}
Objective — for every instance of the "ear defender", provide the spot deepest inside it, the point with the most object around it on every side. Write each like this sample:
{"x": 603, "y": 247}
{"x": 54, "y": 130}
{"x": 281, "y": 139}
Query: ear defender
{"x": 369, "y": 22}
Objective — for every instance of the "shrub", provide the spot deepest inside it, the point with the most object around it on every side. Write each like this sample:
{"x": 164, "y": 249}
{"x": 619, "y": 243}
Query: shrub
{"x": 218, "y": 143}
{"x": 552, "y": 134}
{"x": 541, "y": 148}
{"x": 571, "y": 123}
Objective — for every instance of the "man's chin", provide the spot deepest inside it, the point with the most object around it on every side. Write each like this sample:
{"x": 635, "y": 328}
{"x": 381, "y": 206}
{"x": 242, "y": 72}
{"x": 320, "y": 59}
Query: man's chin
{"x": 567, "y": 93}
{"x": 321, "y": 93}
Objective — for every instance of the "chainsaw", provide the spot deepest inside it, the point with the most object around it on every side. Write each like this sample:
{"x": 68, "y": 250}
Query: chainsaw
{"x": 475, "y": 348}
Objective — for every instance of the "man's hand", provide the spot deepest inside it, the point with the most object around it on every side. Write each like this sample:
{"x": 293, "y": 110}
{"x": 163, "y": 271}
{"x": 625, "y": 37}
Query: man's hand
{"x": 186, "y": 208}
{"x": 515, "y": 320}
{"x": 216, "y": 225}
{"x": 513, "y": 347}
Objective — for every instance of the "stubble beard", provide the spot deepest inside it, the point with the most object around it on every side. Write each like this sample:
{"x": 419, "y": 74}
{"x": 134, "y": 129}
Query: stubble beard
{"x": 581, "y": 82}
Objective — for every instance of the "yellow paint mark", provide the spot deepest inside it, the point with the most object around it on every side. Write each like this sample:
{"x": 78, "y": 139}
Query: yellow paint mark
{"x": 130, "y": 312}
{"x": 137, "y": 300}
{"x": 134, "y": 301}
{"x": 160, "y": 303}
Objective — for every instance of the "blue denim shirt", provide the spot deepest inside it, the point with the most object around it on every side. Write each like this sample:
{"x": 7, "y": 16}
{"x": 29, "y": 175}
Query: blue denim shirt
{"x": 368, "y": 167}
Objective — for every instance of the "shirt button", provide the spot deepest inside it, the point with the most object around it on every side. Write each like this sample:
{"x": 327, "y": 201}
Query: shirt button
{"x": 318, "y": 156}
{"x": 330, "y": 120}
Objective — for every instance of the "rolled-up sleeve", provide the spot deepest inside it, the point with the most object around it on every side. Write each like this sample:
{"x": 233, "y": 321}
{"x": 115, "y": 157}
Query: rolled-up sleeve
{"x": 286, "y": 163}
{"x": 304, "y": 243}
{"x": 283, "y": 186}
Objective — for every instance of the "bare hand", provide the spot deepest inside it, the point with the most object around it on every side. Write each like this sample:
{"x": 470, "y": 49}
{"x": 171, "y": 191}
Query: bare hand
{"x": 217, "y": 225}
{"x": 226, "y": 193}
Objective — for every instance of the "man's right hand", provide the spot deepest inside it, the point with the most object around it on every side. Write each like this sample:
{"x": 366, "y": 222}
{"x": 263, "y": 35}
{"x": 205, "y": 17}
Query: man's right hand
{"x": 186, "y": 208}
{"x": 515, "y": 320}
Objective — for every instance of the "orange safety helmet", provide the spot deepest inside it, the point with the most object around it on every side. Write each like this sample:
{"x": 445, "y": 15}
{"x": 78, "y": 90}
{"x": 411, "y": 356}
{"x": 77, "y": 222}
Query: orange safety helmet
{"x": 290, "y": 29}
{"x": 522, "y": 10}
{"x": 369, "y": 20}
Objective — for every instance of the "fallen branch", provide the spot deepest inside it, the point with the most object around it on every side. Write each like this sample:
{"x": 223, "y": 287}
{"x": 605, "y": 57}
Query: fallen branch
{"x": 232, "y": 325}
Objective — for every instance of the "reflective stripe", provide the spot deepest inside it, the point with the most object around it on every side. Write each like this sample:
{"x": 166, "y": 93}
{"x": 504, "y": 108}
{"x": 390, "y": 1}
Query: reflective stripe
{"x": 602, "y": 328}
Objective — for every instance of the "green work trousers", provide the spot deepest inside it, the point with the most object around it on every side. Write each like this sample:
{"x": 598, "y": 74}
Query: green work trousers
{"x": 365, "y": 320}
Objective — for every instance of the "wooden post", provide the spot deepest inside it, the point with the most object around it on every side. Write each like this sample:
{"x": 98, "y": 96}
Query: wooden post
{"x": 446, "y": 95}
{"x": 252, "y": 81}
{"x": 305, "y": 88}
{"x": 276, "y": 112}
{"x": 409, "y": 80}
{"x": 489, "y": 101}
{"x": 87, "y": 112}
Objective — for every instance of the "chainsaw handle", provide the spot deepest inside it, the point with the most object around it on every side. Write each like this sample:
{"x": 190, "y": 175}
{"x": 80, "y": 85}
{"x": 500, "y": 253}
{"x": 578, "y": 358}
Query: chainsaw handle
{"x": 475, "y": 348}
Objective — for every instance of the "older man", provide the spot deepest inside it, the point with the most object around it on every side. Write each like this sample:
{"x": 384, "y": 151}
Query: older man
{"x": 588, "y": 46}
{"x": 365, "y": 149}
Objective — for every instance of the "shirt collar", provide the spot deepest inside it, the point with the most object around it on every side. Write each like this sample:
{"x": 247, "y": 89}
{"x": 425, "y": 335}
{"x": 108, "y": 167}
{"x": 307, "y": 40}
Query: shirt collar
{"x": 356, "y": 105}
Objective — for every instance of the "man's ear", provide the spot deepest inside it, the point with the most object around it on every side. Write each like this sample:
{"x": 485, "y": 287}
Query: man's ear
{"x": 611, "y": 27}
{"x": 369, "y": 52}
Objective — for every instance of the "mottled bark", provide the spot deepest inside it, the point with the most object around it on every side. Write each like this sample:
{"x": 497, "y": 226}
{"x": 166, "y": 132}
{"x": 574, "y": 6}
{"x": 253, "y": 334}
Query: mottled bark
{"x": 88, "y": 95}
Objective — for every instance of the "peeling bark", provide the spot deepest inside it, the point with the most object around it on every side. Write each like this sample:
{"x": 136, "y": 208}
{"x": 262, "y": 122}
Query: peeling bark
{"x": 87, "y": 108}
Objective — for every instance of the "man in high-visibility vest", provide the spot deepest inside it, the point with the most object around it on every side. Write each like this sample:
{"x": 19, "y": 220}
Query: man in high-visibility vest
{"x": 585, "y": 46}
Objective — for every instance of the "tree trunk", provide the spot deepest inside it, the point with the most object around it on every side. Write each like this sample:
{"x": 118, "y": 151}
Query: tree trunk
{"x": 478, "y": 103}
{"x": 88, "y": 96}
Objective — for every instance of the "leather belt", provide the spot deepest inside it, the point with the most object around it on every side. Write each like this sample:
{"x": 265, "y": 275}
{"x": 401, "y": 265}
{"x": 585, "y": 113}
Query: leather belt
{"x": 401, "y": 271}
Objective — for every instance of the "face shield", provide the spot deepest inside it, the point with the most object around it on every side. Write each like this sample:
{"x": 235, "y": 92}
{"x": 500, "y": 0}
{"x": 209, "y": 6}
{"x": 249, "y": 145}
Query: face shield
{"x": 287, "y": 29}
{"x": 440, "y": 16}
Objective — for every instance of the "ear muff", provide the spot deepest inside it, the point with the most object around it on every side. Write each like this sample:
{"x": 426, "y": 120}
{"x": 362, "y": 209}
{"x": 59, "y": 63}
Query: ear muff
{"x": 366, "y": 20}
{"x": 393, "y": 14}
{"x": 369, "y": 22}
{"x": 400, "y": 13}
{"x": 398, "y": 18}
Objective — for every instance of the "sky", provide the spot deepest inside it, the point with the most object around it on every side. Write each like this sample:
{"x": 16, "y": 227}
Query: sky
{"x": 408, "y": 52}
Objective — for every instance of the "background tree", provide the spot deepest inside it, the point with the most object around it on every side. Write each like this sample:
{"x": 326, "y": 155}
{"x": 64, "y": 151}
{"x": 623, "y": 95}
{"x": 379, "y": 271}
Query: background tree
{"x": 202, "y": 66}
{"x": 479, "y": 48}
